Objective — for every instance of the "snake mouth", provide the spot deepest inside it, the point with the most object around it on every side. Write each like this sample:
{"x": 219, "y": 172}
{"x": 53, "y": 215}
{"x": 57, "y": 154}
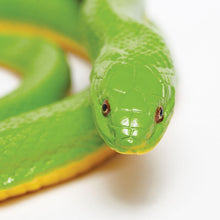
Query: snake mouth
{"x": 137, "y": 149}
{"x": 142, "y": 148}
{"x": 128, "y": 145}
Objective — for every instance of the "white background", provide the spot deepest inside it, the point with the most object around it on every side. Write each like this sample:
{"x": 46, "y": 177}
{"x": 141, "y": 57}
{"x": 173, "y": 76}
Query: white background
{"x": 179, "y": 179}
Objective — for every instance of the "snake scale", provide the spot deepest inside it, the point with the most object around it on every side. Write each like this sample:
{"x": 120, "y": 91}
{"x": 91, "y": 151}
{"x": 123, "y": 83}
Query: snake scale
{"x": 45, "y": 137}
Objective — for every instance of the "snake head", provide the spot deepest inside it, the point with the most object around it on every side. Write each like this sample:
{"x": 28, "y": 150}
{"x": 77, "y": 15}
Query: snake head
{"x": 132, "y": 106}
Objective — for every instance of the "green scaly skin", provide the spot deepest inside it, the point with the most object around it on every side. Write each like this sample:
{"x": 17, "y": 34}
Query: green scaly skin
{"x": 44, "y": 70}
{"x": 36, "y": 143}
{"x": 132, "y": 68}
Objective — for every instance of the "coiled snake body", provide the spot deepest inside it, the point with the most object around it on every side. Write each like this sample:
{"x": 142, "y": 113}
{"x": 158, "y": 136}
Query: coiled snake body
{"x": 128, "y": 105}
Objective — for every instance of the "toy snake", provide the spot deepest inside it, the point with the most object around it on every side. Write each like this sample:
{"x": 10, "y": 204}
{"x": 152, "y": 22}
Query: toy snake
{"x": 128, "y": 105}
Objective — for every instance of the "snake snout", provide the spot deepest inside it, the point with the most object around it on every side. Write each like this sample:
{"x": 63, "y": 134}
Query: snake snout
{"x": 128, "y": 137}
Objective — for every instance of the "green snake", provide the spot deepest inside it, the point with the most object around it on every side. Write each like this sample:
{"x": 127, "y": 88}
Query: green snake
{"x": 45, "y": 140}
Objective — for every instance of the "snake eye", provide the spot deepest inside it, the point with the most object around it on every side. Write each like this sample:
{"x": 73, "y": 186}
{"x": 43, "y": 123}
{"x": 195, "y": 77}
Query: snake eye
{"x": 159, "y": 115}
{"x": 105, "y": 108}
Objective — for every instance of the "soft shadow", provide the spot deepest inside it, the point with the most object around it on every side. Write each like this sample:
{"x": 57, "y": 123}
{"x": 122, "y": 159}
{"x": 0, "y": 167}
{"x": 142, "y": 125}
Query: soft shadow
{"x": 134, "y": 180}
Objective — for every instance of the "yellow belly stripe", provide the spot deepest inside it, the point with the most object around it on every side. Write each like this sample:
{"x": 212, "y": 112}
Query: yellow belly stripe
{"x": 66, "y": 43}
{"x": 59, "y": 175}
